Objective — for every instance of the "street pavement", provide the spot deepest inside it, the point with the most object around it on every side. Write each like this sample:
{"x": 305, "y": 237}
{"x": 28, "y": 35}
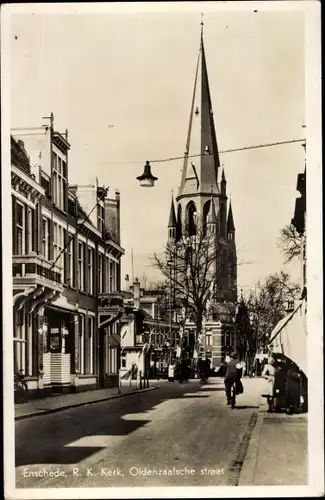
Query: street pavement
{"x": 177, "y": 435}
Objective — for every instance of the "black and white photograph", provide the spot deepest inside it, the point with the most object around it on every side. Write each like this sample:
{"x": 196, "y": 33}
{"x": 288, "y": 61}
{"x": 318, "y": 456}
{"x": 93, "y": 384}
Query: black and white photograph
{"x": 162, "y": 250}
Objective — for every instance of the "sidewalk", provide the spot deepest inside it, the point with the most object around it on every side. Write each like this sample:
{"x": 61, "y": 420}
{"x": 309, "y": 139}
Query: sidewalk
{"x": 54, "y": 404}
{"x": 277, "y": 453}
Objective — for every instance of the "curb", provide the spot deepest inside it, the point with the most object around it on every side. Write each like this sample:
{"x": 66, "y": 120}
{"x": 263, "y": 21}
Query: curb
{"x": 76, "y": 405}
{"x": 247, "y": 473}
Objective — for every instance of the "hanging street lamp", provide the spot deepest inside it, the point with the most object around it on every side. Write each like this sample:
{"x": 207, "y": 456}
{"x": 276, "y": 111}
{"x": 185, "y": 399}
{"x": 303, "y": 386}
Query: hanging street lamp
{"x": 147, "y": 179}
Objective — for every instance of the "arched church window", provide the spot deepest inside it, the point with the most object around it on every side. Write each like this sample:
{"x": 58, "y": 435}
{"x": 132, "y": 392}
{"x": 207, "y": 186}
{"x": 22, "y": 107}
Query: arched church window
{"x": 191, "y": 219}
{"x": 179, "y": 229}
{"x": 206, "y": 210}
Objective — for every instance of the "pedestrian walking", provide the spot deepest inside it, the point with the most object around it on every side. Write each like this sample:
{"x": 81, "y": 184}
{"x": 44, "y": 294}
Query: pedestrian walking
{"x": 232, "y": 376}
{"x": 268, "y": 374}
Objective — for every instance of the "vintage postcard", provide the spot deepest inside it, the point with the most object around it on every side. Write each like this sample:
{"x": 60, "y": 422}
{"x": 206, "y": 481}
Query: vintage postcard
{"x": 162, "y": 252}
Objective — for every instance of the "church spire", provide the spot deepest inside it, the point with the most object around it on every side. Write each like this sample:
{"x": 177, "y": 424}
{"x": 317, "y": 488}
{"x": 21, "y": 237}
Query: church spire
{"x": 201, "y": 158}
{"x": 212, "y": 217}
{"x": 172, "y": 226}
{"x": 172, "y": 216}
{"x": 230, "y": 222}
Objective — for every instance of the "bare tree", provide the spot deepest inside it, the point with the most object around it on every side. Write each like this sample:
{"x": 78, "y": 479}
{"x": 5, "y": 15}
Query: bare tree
{"x": 194, "y": 266}
{"x": 152, "y": 285}
{"x": 290, "y": 242}
{"x": 266, "y": 303}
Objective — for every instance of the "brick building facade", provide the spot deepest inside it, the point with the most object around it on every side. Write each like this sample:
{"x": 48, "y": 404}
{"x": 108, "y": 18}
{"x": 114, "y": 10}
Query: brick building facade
{"x": 66, "y": 270}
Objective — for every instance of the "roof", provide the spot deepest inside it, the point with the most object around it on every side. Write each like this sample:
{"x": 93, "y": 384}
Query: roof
{"x": 19, "y": 156}
{"x": 282, "y": 323}
{"x": 200, "y": 173}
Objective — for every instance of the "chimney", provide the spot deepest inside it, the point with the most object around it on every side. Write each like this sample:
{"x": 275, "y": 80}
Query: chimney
{"x": 136, "y": 294}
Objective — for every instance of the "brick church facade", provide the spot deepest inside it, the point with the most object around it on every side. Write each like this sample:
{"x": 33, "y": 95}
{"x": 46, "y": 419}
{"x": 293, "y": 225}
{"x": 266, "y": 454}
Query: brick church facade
{"x": 201, "y": 206}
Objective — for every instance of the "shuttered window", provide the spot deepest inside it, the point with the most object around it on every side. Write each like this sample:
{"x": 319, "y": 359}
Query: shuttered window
{"x": 45, "y": 238}
{"x": 81, "y": 270}
{"x": 20, "y": 228}
{"x": 90, "y": 264}
{"x": 81, "y": 343}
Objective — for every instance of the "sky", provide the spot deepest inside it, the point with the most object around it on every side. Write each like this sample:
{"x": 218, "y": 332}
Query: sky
{"x": 121, "y": 83}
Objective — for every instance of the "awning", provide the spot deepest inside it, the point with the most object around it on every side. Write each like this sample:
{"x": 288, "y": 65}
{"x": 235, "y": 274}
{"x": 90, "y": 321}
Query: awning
{"x": 289, "y": 337}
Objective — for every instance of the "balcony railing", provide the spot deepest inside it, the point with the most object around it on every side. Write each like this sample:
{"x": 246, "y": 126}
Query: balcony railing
{"x": 35, "y": 266}
{"x": 111, "y": 299}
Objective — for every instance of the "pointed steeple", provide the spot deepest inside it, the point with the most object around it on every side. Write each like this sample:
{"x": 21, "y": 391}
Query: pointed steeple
{"x": 230, "y": 222}
{"x": 201, "y": 158}
{"x": 172, "y": 225}
{"x": 223, "y": 184}
{"x": 212, "y": 217}
{"x": 172, "y": 215}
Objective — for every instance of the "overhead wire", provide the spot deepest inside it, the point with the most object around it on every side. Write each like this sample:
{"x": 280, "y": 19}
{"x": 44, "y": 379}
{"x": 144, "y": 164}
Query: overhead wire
{"x": 245, "y": 148}
{"x": 79, "y": 226}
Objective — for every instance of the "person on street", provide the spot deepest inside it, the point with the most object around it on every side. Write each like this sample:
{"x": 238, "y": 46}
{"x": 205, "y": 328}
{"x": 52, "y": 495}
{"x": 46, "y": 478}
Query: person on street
{"x": 232, "y": 375}
{"x": 268, "y": 374}
{"x": 292, "y": 389}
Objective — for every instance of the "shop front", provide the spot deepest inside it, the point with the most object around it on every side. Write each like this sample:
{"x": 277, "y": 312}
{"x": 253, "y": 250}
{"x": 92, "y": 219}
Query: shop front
{"x": 59, "y": 346}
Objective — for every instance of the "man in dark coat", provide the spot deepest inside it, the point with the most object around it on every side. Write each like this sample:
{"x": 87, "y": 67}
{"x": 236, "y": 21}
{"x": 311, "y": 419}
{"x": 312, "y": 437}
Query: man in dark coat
{"x": 232, "y": 375}
{"x": 292, "y": 389}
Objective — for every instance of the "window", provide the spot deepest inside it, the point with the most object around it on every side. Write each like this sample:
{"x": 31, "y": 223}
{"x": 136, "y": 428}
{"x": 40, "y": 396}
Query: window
{"x": 81, "y": 274}
{"x": 20, "y": 347}
{"x": 20, "y": 224}
{"x": 58, "y": 244}
{"x": 111, "y": 276}
{"x": 208, "y": 340}
{"x": 90, "y": 271}
{"x": 100, "y": 273}
{"x": 45, "y": 238}
{"x": 100, "y": 217}
{"x": 46, "y": 186}
{"x": 81, "y": 344}
{"x": 91, "y": 344}
{"x": 28, "y": 228}
{"x": 59, "y": 181}
{"x": 71, "y": 260}
{"x": 107, "y": 275}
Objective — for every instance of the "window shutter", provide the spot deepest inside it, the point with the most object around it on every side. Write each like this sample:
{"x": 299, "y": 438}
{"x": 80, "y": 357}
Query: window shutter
{"x": 75, "y": 260}
{"x": 26, "y": 230}
{"x": 14, "y": 226}
{"x": 51, "y": 241}
{"x": 86, "y": 344}
{"x": 103, "y": 272}
{"x": 86, "y": 273}
{"x": 66, "y": 256}
{"x": 38, "y": 228}
{"x": 34, "y": 231}
{"x": 95, "y": 271}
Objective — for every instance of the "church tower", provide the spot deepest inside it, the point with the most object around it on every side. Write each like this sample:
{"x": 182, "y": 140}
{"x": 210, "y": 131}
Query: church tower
{"x": 201, "y": 205}
{"x": 199, "y": 181}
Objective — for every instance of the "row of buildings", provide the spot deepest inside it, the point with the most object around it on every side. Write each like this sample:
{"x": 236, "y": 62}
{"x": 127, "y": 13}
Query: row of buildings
{"x": 68, "y": 308}
{"x": 74, "y": 328}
